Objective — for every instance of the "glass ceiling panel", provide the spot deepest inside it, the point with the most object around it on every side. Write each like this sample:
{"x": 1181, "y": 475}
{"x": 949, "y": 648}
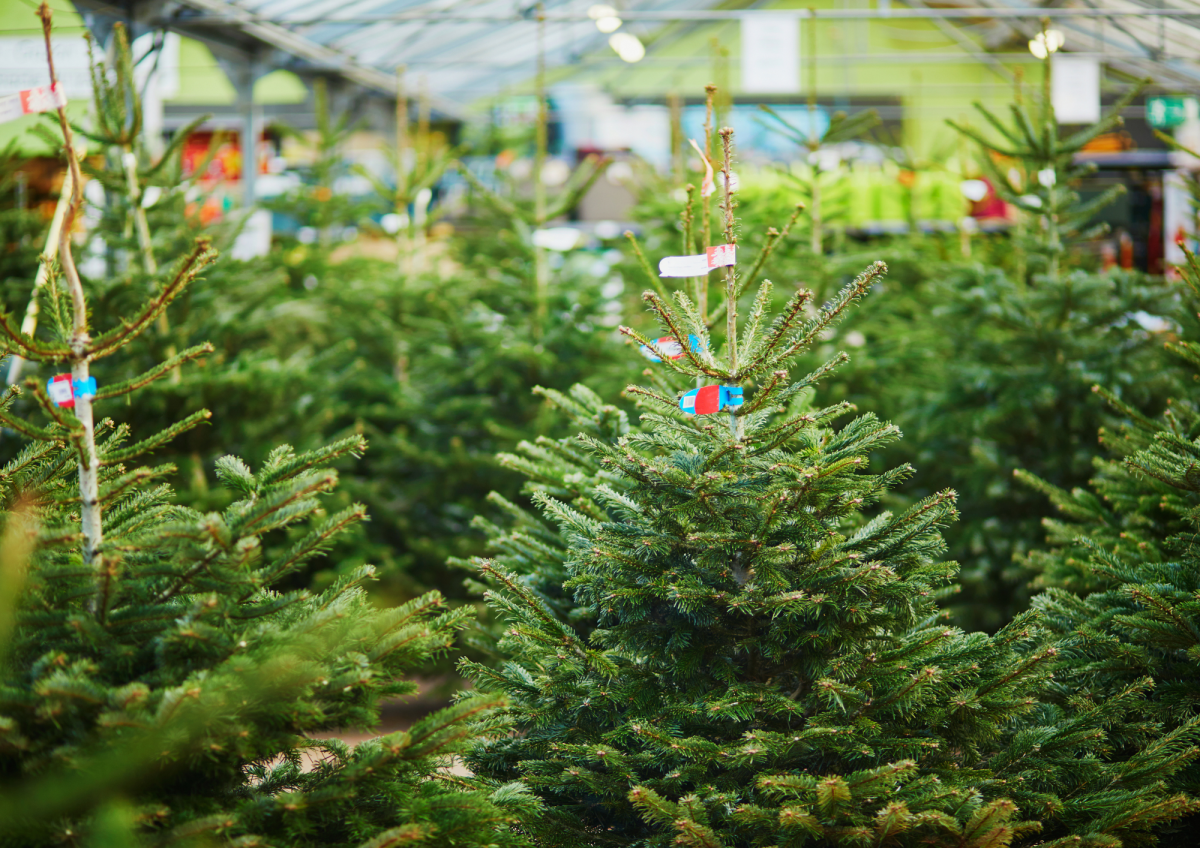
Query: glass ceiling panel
{"x": 470, "y": 49}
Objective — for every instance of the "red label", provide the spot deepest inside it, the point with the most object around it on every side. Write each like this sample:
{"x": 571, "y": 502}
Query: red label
{"x": 708, "y": 400}
{"x": 721, "y": 254}
{"x": 62, "y": 391}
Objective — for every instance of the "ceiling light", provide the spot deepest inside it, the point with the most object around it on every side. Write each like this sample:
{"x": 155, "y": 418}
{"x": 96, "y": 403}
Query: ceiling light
{"x": 1045, "y": 43}
{"x": 628, "y": 46}
{"x": 610, "y": 23}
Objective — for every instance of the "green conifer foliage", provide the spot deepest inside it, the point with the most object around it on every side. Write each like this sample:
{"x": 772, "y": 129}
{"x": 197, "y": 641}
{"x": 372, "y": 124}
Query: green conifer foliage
{"x": 1017, "y": 353}
{"x": 19, "y": 226}
{"x": 526, "y": 543}
{"x": 316, "y": 204}
{"x": 1121, "y": 571}
{"x": 197, "y": 695}
{"x": 161, "y": 683}
{"x": 767, "y": 665}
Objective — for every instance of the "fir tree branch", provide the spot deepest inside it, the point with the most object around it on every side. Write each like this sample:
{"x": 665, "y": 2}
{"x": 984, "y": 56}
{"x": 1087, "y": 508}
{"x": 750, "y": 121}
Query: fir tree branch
{"x": 644, "y": 264}
{"x": 566, "y": 636}
{"x": 763, "y": 395}
{"x": 315, "y": 542}
{"x": 831, "y": 312}
{"x": 662, "y": 400}
{"x": 779, "y": 330}
{"x": 282, "y": 464}
{"x": 1025, "y": 125}
{"x": 158, "y": 439}
{"x": 116, "y": 488}
{"x": 160, "y": 370}
{"x": 983, "y": 142}
{"x": 191, "y": 265}
{"x": 51, "y": 437}
{"x": 26, "y": 346}
{"x": 502, "y": 205}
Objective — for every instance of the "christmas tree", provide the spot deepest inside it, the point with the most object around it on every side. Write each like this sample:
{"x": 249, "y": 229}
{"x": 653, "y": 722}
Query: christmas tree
{"x": 434, "y": 368}
{"x": 761, "y": 659}
{"x": 161, "y": 681}
{"x": 1121, "y": 570}
{"x": 1010, "y": 355}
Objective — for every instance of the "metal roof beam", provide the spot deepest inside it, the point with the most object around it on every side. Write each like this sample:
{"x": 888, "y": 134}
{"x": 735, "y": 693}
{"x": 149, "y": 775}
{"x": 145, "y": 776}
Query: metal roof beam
{"x": 714, "y": 15}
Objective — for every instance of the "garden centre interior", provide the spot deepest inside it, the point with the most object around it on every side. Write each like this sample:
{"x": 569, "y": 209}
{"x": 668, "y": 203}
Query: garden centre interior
{"x": 505, "y": 423}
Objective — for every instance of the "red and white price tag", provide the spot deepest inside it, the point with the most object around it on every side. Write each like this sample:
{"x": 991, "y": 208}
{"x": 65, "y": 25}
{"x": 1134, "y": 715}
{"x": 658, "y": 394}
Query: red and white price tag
{"x": 61, "y": 390}
{"x": 698, "y": 265}
{"x": 40, "y": 99}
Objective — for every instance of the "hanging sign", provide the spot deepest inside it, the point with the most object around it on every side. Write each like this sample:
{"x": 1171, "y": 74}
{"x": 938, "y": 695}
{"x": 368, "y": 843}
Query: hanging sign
{"x": 770, "y": 54}
{"x": 699, "y": 264}
{"x": 40, "y": 99}
{"x": 670, "y": 346}
{"x": 63, "y": 390}
{"x": 709, "y": 399}
{"x": 1075, "y": 89}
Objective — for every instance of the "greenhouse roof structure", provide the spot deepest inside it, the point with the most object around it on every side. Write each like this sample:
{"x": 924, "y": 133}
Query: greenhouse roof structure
{"x": 471, "y": 49}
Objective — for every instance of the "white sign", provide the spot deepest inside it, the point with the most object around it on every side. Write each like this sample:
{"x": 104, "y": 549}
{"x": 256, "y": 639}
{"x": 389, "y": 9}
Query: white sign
{"x": 1075, "y": 89}
{"x": 770, "y": 54}
{"x": 23, "y": 64}
{"x": 255, "y": 238}
{"x": 1179, "y": 219}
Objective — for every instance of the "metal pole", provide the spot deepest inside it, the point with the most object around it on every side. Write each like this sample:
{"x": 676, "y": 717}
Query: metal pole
{"x": 251, "y": 129}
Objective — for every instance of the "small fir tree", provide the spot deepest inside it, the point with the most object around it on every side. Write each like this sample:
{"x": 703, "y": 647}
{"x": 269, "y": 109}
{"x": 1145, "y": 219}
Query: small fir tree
{"x": 524, "y": 217}
{"x": 760, "y": 662}
{"x": 999, "y": 367}
{"x": 161, "y": 682}
{"x": 318, "y": 204}
{"x": 1121, "y": 572}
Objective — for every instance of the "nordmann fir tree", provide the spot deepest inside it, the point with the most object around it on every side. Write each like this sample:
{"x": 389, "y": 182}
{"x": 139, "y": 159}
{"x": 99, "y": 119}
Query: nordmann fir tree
{"x": 767, "y": 665}
{"x": 418, "y": 162}
{"x": 1022, "y": 350}
{"x": 525, "y": 543}
{"x": 1121, "y": 571}
{"x": 318, "y": 204}
{"x": 158, "y": 685}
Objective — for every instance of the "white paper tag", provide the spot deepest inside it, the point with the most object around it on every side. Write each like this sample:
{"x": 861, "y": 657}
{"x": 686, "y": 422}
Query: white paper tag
{"x": 60, "y": 391}
{"x": 40, "y": 99}
{"x": 698, "y": 265}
